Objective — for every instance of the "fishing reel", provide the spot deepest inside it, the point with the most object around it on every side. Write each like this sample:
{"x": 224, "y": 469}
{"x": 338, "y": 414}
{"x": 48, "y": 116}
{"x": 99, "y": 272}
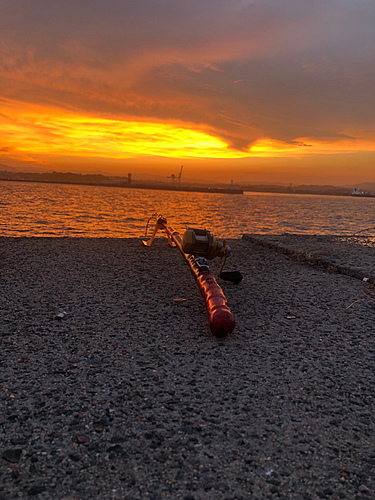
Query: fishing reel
{"x": 203, "y": 245}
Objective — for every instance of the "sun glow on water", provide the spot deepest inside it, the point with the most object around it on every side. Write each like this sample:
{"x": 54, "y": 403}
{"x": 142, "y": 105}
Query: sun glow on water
{"x": 35, "y": 209}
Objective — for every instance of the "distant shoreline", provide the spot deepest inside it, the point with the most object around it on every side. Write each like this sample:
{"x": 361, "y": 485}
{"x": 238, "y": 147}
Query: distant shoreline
{"x": 141, "y": 185}
{"x": 135, "y": 185}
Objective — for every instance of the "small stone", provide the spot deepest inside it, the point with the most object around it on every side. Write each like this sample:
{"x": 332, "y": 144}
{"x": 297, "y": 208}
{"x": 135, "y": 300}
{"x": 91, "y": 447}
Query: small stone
{"x": 61, "y": 315}
{"x": 82, "y": 439}
{"x": 275, "y": 482}
{"x": 36, "y": 489}
{"x": 363, "y": 489}
{"x": 15, "y": 474}
{"x": 94, "y": 362}
{"x": 118, "y": 439}
{"x": 19, "y": 440}
{"x": 13, "y": 455}
{"x": 161, "y": 457}
{"x": 116, "y": 448}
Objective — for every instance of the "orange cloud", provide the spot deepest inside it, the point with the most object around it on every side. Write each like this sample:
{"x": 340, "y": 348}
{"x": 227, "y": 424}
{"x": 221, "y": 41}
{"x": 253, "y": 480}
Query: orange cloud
{"x": 32, "y": 131}
{"x": 305, "y": 146}
{"x": 28, "y": 130}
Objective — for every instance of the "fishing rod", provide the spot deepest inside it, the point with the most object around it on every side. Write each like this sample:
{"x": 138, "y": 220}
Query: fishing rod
{"x": 197, "y": 246}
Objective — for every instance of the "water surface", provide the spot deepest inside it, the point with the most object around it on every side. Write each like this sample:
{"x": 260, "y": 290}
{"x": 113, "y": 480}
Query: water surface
{"x": 35, "y": 209}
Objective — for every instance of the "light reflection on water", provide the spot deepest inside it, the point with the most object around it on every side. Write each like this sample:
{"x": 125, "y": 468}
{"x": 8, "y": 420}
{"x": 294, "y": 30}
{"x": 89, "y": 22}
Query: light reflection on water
{"x": 33, "y": 209}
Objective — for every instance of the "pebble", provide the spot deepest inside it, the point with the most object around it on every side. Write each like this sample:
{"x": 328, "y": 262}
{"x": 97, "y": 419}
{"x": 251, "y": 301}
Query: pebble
{"x": 363, "y": 489}
{"x": 36, "y": 489}
{"x": 12, "y": 455}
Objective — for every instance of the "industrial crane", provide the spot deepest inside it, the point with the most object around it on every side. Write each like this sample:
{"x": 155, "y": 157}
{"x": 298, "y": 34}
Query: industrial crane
{"x": 174, "y": 177}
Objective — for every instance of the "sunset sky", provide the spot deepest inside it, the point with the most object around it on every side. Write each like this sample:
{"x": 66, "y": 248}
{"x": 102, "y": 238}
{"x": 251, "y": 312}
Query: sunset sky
{"x": 255, "y": 91}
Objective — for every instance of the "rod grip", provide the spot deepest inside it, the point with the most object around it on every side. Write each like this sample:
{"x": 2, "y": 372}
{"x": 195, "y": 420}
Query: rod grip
{"x": 220, "y": 318}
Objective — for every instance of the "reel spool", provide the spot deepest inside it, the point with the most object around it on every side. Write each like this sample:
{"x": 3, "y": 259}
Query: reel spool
{"x": 202, "y": 243}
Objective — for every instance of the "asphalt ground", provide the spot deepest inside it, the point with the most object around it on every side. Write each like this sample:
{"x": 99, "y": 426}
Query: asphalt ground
{"x": 112, "y": 386}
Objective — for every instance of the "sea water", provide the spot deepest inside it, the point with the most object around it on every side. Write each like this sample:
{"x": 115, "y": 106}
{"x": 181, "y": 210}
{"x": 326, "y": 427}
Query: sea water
{"x": 36, "y": 209}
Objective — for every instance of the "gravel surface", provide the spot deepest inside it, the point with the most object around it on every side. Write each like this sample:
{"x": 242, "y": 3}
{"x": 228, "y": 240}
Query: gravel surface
{"x": 110, "y": 388}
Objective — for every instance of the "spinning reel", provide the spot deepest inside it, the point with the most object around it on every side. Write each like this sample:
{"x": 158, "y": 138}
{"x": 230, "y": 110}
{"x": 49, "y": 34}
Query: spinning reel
{"x": 203, "y": 245}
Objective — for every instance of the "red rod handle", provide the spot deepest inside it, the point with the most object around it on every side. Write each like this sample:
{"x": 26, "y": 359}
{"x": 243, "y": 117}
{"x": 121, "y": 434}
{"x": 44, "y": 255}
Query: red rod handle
{"x": 220, "y": 318}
